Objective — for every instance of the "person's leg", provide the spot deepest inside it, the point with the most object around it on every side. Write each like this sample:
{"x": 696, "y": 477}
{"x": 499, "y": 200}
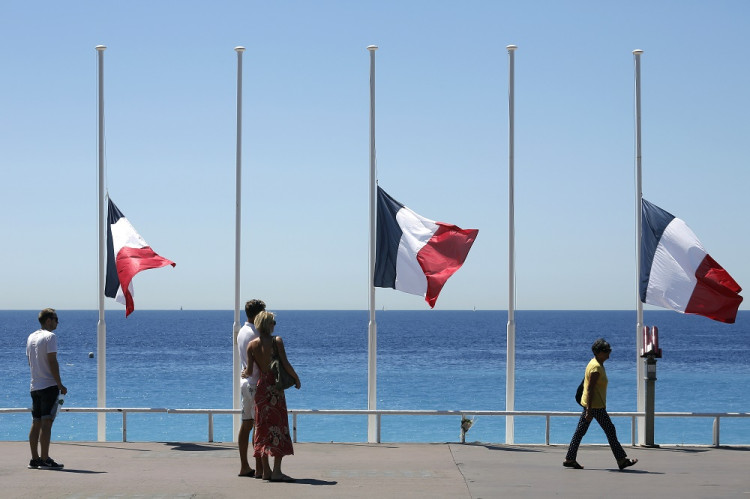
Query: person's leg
{"x": 258, "y": 460}
{"x": 266, "y": 467}
{"x": 36, "y": 424}
{"x": 276, "y": 473}
{"x": 45, "y": 435}
{"x": 247, "y": 392}
{"x": 48, "y": 408}
{"x": 36, "y": 428}
{"x": 581, "y": 429}
{"x": 611, "y": 432}
{"x": 243, "y": 438}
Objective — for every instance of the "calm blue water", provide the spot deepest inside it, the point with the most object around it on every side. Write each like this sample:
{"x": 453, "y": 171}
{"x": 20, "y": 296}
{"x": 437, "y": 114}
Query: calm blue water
{"x": 437, "y": 360}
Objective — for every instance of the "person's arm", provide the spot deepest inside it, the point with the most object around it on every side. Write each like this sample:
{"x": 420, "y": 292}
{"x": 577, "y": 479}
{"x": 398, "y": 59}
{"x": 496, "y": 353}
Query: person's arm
{"x": 249, "y": 367}
{"x": 54, "y": 368}
{"x": 285, "y": 362}
{"x": 590, "y": 394}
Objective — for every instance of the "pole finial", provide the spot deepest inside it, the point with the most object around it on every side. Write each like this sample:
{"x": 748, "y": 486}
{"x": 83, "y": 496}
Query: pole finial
{"x": 101, "y": 48}
{"x": 239, "y": 48}
{"x": 372, "y": 48}
{"x": 511, "y": 48}
{"x": 638, "y": 51}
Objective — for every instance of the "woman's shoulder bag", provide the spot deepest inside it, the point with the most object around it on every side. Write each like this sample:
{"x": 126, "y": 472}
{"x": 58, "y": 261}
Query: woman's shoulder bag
{"x": 284, "y": 380}
{"x": 579, "y": 392}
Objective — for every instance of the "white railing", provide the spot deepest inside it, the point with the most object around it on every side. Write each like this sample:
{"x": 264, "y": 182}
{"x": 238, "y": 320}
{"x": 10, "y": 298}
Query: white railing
{"x": 548, "y": 415}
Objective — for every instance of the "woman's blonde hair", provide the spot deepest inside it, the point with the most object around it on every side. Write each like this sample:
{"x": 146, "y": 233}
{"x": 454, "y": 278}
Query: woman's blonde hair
{"x": 263, "y": 322}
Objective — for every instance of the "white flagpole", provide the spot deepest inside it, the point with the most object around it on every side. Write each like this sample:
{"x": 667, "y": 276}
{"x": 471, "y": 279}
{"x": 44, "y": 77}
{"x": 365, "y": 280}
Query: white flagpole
{"x": 510, "y": 371}
{"x": 373, "y": 428}
{"x": 101, "y": 326}
{"x": 237, "y": 233}
{"x": 640, "y": 370}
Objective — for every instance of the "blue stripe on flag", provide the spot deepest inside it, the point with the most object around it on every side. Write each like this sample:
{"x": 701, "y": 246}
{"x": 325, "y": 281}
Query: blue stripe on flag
{"x": 388, "y": 237}
{"x": 654, "y": 222}
{"x": 112, "y": 282}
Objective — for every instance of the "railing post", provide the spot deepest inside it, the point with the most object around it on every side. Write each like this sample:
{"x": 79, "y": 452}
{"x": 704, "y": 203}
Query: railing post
{"x": 210, "y": 426}
{"x": 716, "y": 431}
{"x": 294, "y": 427}
{"x": 378, "y": 427}
{"x": 124, "y": 425}
{"x": 632, "y": 431}
{"x": 546, "y": 431}
{"x": 463, "y": 432}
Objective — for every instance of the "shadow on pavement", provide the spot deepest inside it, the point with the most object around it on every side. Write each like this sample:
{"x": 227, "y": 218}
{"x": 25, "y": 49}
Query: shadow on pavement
{"x": 193, "y": 447}
{"x": 312, "y": 481}
{"x": 81, "y": 472}
{"x": 505, "y": 448}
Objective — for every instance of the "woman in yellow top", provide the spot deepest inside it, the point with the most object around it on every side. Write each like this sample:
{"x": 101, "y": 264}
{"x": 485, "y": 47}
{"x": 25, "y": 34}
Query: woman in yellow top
{"x": 594, "y": 402}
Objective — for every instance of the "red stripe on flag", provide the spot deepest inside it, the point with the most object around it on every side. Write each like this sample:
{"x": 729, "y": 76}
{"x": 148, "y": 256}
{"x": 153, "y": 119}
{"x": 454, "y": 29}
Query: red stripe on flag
{"x": 443, "y": 255}
{"x": 715, "y": 294}
{"x": 129, "y": 262}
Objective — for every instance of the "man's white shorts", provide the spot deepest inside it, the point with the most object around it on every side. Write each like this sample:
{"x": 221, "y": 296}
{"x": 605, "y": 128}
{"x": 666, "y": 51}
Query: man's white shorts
{"x": 247, "y": 390}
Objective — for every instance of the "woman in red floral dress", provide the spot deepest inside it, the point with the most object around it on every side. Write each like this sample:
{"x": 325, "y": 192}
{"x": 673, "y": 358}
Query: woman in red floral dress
{"x": 271, "y": 421}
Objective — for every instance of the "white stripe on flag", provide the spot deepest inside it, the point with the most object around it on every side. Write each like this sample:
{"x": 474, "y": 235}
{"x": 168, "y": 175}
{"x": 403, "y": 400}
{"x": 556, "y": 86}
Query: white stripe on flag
{"x": 678, "y": 255}
{"x": 125, "y": 235}
{"x": 416, "y": 232}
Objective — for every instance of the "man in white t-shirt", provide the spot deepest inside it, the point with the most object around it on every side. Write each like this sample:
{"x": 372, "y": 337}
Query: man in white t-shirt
{"x": 248, "y": 387}
{"x": 41, "y": 351}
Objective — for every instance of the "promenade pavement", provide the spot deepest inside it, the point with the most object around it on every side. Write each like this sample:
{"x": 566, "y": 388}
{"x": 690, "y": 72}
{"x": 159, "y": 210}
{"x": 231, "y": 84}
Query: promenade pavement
{"x": 332, "y": 470}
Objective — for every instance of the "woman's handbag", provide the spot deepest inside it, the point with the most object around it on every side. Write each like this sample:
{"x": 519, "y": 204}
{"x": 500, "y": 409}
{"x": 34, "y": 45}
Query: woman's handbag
{"x": 284, "y": 380}
{"x": 579, "y": 392}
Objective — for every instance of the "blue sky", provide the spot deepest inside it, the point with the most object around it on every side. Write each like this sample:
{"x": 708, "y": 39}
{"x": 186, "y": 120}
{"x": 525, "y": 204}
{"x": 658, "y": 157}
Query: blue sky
{"x": 441, "y": 136}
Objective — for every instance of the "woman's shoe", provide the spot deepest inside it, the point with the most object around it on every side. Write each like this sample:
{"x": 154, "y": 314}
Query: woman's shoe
{"x": 625, "y": 462}
{"x": 573, "y": 464}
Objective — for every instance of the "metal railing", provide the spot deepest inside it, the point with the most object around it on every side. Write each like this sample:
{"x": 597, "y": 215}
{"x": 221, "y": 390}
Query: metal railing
{"x": 548, "y": 415}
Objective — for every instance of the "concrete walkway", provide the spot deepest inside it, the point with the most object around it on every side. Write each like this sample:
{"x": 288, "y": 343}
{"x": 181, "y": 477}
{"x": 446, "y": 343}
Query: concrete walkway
{"x": 152, "y": 469}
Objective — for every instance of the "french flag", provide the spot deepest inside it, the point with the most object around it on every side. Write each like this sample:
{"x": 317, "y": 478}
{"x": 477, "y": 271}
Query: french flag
{"x": 416, "y": 255}
{"x": 127, "y": 254}
{"x": 677, "y": 273}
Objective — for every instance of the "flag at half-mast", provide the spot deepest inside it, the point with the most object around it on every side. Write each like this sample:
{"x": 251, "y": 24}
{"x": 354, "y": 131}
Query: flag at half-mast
{"x": 127, "y": 254}
{"x": 678, "y": 273}
{"x": 414, "y": 254}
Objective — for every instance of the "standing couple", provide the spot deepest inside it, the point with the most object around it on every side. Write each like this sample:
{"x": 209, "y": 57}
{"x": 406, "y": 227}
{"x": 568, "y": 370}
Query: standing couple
{"x": 263, "y": 405}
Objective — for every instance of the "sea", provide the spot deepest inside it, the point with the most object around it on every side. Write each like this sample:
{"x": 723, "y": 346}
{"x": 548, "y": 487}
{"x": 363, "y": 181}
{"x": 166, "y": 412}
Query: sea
{"x": 426, "y": 360}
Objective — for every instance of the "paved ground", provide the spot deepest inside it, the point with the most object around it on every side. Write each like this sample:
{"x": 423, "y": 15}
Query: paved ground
{"x": 203, "y": 470}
